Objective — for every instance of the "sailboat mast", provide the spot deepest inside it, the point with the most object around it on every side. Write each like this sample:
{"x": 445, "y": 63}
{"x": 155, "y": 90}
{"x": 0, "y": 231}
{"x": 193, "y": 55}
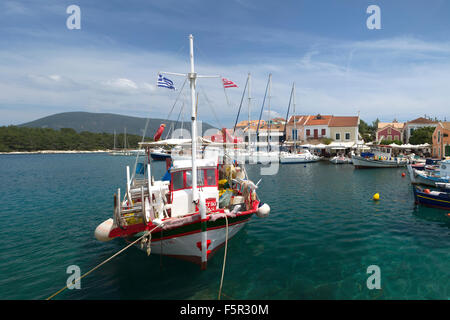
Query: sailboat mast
{"x": 114, "y": 140}
{"x": 125, "y": 138}
{"x": 249, "y": 106}
{"x": 295, "y": 125}
{"x": 192, "y": 77}
{"x": 268, "y": 128}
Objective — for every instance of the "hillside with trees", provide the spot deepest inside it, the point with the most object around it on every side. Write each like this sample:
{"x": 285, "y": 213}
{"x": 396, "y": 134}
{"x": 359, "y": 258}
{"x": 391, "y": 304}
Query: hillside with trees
{"x": 13, "y": 138}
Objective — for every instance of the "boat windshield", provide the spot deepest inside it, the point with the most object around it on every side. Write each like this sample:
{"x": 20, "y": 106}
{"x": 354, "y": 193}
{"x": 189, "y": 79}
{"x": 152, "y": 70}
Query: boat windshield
{"x": 183, "y": 179}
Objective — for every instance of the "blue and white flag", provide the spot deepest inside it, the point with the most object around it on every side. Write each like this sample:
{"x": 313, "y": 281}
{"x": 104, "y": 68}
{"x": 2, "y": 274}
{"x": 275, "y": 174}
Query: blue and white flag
{"x": 163, "y": 82}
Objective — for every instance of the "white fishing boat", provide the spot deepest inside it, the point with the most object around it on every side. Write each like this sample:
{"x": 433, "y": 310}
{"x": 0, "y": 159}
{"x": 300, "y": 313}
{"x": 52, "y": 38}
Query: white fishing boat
{"x": 193, "y": 210}
{"x": 340, "y": 159}
{"x": 431, "y": 177}
{"x": 379, "y": 157}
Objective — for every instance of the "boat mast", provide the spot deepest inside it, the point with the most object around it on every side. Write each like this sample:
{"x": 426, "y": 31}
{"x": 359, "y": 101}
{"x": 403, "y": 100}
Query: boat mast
{"x": 295, "y": 124}
{"x": 192, "y": 77}
{"x": 125, "y": 138}
{"x": 249, "y": 106}
{"x": 268, "y": 128}
{"x": 114, "y": 140}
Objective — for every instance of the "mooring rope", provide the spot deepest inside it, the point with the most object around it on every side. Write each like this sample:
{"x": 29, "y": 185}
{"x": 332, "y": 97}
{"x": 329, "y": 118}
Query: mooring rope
{"x": 99, "y": 265}
{"x": 224, "y": 258}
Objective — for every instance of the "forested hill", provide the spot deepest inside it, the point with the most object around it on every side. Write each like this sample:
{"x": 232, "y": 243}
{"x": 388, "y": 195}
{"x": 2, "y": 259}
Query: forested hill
{"x": 13, "y": 138}
{"x": 103, "y": 122}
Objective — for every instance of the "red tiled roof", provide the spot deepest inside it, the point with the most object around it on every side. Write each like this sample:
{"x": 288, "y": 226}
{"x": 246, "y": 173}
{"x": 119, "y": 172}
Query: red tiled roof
{"x": 300, "y": 120}
{"x": 445, "y": 125}
{"x": 343, "y": 122}
{"x": 421, "y": 120}
{"x": 318, "y": 120}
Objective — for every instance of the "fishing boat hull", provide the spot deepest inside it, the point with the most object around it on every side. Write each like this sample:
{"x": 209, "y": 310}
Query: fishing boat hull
{"x": 360, "y": 162}
{"x": 337, "y": 160}
{"x": 184, "y": 242}
{"x": 158, "y": 156}
{"x": 424, "y": 178}
{"x": 433, "y": 199}
{"x": 294, "y": 159}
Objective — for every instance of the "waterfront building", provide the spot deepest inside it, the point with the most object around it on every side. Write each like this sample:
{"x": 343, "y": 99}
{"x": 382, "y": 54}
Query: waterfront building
{"x": 412, "y": 125}
{"x": 316, "y": 127}
{"x": 390, "y": 131}
{"x": 295, "y": 128}
{"x": 344, "y": 129}
{"x": 441, "y": 140}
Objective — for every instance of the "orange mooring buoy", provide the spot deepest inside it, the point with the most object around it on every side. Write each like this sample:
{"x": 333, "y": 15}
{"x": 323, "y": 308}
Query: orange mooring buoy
{"x": 403, "y": 174}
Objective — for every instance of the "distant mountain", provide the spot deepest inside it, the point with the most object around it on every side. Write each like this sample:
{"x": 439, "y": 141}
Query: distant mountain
{"x": 105, "y": 122}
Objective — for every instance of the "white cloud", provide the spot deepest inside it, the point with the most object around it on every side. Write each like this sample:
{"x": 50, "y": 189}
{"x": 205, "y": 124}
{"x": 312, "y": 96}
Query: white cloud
{"x": 341, "y": 78}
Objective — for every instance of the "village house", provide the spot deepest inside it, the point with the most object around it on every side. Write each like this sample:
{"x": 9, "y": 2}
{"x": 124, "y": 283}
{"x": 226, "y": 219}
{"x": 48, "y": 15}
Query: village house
{"x": 412, "y": 125}
{"x": 344, "y": 129}
{"x": 295, "y": 128}
{"x": 316, "y": 127}
{"x": 441, "y": 140}
{"x": 337, "y": 128}
{"x": 390, "y": 131}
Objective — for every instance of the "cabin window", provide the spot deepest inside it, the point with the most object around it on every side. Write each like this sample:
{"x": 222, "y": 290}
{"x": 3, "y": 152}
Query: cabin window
{"x": 210, "y": 177}
{"x": 177, "y": 180}
{"x": 200, "y": 178}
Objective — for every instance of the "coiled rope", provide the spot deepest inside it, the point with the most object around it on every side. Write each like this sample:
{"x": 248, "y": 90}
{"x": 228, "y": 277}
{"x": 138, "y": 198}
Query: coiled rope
{"x": 224, "y": 258}
{"x": 99, "y": 265}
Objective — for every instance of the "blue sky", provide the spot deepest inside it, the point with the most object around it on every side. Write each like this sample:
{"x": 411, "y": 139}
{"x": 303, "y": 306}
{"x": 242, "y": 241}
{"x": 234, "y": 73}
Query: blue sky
{"x": 339, "y": 66}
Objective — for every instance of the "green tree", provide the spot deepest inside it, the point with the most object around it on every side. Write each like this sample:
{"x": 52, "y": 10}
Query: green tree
{"x": 422, "y": 135}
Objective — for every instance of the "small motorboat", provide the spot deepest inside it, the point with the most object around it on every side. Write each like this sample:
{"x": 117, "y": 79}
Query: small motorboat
{"x": 436, "y": 199}
{"x": 430, "y": 177}
{"x": 341, "y": 159}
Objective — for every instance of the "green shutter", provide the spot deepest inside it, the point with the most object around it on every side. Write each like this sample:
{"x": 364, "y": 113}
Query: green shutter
{"x": 447, "y": 151}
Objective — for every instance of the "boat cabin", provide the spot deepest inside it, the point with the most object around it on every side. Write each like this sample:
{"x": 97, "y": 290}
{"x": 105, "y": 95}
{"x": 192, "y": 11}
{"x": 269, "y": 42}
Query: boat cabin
{"x": 181, "y": 194}
{"x": 379, "y": 152}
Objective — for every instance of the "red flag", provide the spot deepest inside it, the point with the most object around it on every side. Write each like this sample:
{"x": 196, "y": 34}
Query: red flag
{"x": 159, "y": 132}
{"x": 228, "y": 83}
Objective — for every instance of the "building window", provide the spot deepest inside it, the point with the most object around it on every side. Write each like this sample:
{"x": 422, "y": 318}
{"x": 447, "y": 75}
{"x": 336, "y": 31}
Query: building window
{"x": 294, "y": 134}
{"x": 389, "y": 130}
{"x": 411, "y": 131}
{"x": 338, "y": 136}
{"x": 324, "y": 132}
{"x": 347, "y": 136}
{"x": 439, "y": 136}
{"x": 389, "y": 137}
{"x": 396, "y": 137}
{"x": 308, "y": 132}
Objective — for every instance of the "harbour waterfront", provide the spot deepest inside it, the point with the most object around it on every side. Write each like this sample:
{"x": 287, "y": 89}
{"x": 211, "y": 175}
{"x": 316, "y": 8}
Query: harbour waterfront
{"x": 323, "y": 232}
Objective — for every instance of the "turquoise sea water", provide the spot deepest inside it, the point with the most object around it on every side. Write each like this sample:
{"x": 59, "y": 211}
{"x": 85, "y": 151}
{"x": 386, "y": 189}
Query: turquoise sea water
{"x": 323, "y": 232}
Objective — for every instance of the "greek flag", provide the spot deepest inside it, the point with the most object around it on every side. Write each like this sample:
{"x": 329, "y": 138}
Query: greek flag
{"x": 163, "y": 82}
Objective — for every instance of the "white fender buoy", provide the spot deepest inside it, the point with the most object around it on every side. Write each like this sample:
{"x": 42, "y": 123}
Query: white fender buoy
{"x": 103, "y": 229}
{"x": 263, "y": 210}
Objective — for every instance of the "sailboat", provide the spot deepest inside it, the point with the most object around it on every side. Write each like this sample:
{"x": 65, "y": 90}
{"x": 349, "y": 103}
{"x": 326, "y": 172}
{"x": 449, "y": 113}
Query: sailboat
{"x": 266, "y": 155}
{"x": 193, "y": 210}
{"x": 125, "y": 151}
{"x": 302, "y": 156}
